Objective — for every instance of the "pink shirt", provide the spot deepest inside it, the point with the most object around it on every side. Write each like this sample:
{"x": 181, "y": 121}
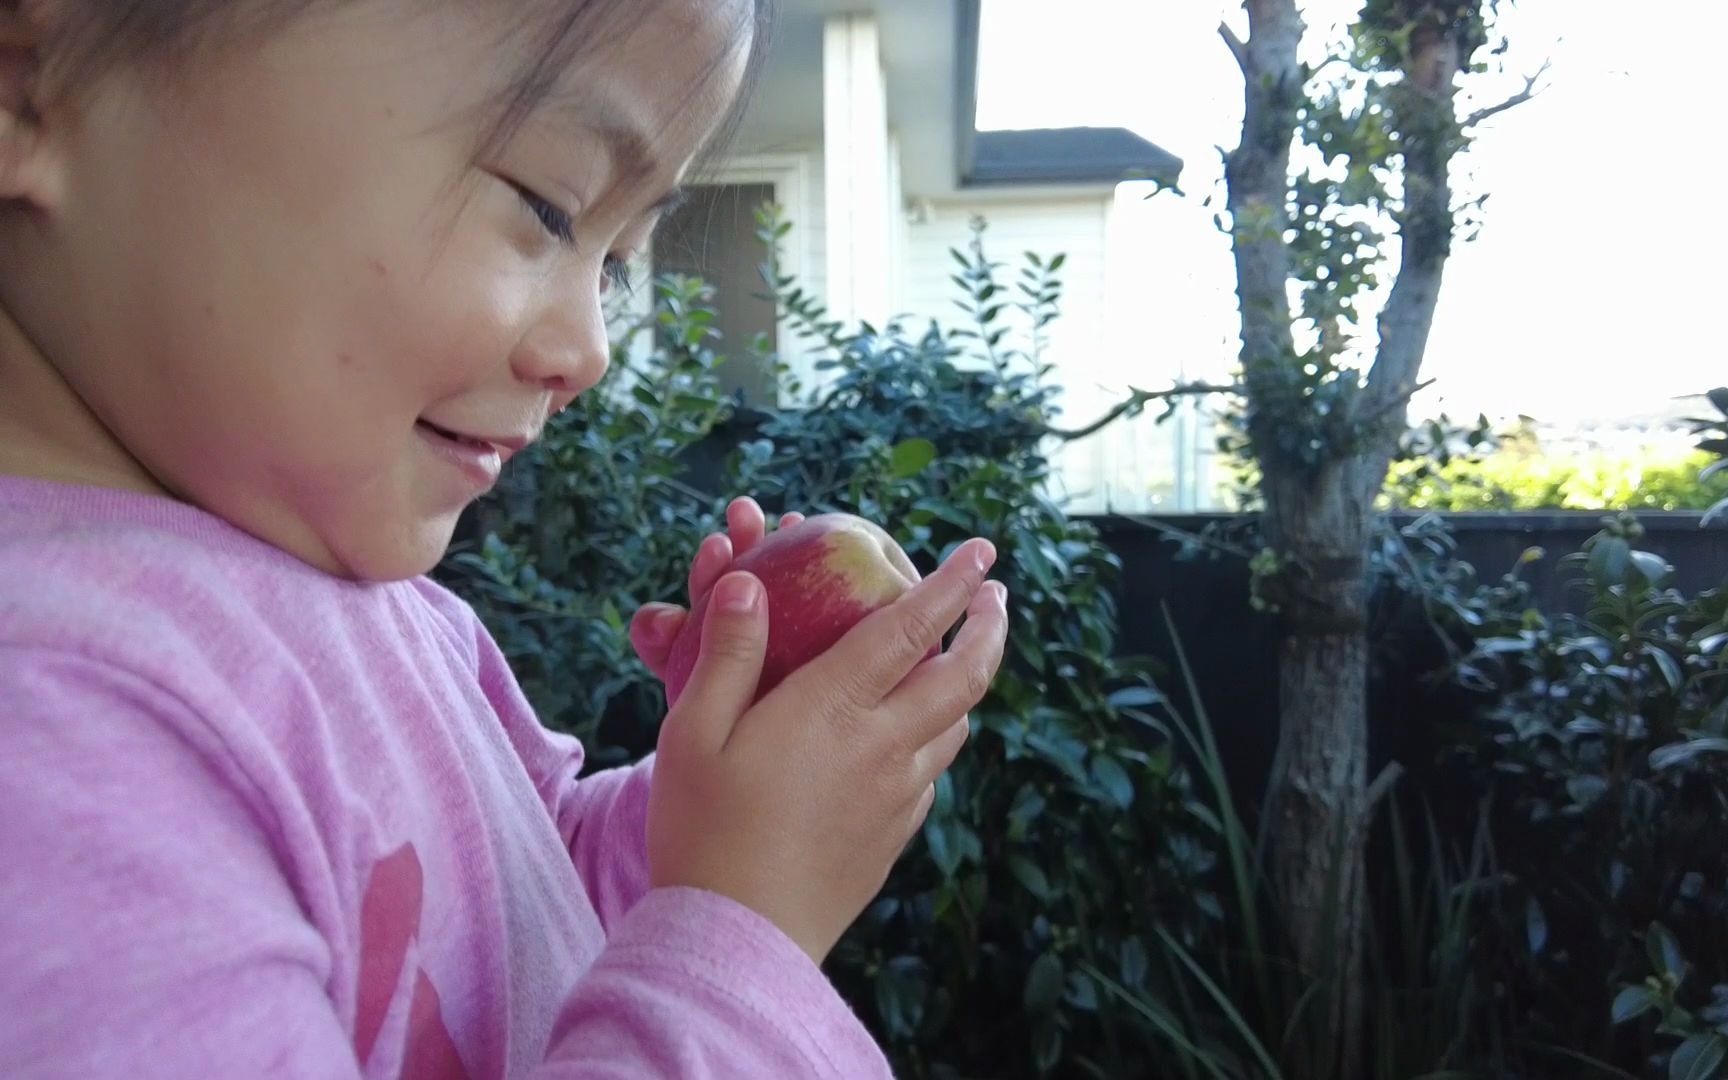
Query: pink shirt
{"x": 256, "y": 820}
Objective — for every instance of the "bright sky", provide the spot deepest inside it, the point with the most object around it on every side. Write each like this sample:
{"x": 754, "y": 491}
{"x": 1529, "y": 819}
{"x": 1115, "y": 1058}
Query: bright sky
{"x": 1595, "y": 286}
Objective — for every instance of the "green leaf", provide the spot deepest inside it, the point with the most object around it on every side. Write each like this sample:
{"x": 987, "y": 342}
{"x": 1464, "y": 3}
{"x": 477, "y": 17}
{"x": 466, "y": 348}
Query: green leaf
{"x": 1535, "y": 926}
{"x": 1046, "y": 1044}
{"x": 1134, "y": 962}
{"x": 1044, "y": 984}
{"x": 901, "y": 992}
{"x": 1027, "y": 807}
{"x": 1652, "y": 567}
{"x": 1030, "y": 875}
{"x": 1675, "y": 754}
{"x": 1608, "y": 558}
{"x": 1664, "y": 952}
{"x": 1669, "y": 667}
{"x": 1698, "y": 1058}
{"x": 909, "y": 458}
{"x": 1133, "y": 697}
{"x": 1633, "y": 1002}
{"x": 1082, "y": 991}
{"x": 943, "y": 851}
{"x": 1111, "y": 777}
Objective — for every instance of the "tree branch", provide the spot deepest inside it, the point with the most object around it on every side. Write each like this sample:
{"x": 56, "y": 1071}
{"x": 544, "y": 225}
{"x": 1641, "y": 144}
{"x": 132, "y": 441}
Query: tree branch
{"x": 1379, "y": 412}
{"x": 1257, "y": 189}
{"x": 1237, "y": 48}
{"x": 1425, "y": 228}
{"x": 1512, "y": 102}
{"x": 1188, "y": 537}
{"x": 1137, "y": 399}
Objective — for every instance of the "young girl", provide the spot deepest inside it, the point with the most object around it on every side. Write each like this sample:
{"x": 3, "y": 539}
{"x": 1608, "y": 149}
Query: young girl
{"x": 282, "y": 285}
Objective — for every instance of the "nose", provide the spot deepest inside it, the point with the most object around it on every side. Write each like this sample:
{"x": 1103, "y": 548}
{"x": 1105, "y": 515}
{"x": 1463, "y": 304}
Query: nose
{"x": 566, "y": 349}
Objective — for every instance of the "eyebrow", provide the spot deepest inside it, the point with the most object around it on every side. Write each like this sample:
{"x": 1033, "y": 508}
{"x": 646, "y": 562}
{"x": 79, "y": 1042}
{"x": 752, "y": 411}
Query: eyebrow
{"x": 632, "y": 152}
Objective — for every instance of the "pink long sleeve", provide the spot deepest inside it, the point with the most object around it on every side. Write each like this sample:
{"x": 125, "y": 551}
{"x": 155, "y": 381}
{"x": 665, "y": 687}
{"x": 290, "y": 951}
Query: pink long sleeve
{"x": 257, "y": 821}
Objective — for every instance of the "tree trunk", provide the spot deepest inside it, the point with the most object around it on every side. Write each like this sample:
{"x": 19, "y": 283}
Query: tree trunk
{"x": 1318, "y": 519}
{"x": 1316, "y": 809}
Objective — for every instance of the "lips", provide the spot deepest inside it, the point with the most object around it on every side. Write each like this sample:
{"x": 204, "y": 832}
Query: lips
{"x": 459, "y": 438}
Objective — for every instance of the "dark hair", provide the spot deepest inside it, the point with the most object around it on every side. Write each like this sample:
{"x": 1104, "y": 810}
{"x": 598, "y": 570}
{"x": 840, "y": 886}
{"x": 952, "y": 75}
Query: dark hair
{"x": 167, "y": 36}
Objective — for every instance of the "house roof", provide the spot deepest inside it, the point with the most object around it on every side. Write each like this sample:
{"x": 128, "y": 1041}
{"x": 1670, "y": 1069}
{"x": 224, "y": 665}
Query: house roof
{"x": 930, "y": 59}
{"x": 1066, "y": 156}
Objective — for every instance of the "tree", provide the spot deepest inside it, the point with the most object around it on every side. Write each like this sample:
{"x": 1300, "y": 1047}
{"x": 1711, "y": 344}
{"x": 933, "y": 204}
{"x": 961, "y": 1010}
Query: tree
{"x": 1324, "y": 403}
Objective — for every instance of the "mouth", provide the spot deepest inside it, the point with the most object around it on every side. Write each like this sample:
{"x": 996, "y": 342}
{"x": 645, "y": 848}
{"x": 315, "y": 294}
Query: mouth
{"x": 458, "y": 439}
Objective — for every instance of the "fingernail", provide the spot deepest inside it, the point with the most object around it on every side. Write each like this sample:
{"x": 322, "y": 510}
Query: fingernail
{"x": 985, "y": 553}
{"x": 1001, "y": 592}
{"x": 738, "y": 594}
{"x": 661, "y": 626}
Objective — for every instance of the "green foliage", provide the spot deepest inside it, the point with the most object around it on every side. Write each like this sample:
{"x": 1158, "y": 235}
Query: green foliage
{"x": 1057, "y": 840}
{"x": 1715, "y": 443}
{"x": 1663, "y": 996}
{"x": 1517, "y": 474}
{"x": 1231, "y": 1002}
{"x": 1604, "y": 745}
{"x": 1060, "y": 838}
{"x": 1086, "y": 897}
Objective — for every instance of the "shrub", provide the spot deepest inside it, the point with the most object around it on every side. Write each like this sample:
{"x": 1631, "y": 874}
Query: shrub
{"x": 1059, "y": 838}
{"x": 1604, "y": 751}
{"x": 1517, "y": 474}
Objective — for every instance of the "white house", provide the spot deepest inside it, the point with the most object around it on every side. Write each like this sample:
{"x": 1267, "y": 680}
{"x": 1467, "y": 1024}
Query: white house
{"x": 863, "y": 131}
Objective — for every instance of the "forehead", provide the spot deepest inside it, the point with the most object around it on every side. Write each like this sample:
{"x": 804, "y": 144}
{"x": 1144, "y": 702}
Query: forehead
{"x": 653, "y": 76}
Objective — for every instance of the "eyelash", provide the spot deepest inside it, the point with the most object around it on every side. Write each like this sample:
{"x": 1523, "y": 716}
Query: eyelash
{"x": 615, "y": 270}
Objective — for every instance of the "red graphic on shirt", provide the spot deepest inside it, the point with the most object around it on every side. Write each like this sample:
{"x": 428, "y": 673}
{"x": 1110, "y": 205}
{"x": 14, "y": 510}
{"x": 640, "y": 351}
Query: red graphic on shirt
{"x": 389, "y": 920}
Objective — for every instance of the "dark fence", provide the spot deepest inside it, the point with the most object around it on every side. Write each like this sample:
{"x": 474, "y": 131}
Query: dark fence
{"x": 1233, "y": 650}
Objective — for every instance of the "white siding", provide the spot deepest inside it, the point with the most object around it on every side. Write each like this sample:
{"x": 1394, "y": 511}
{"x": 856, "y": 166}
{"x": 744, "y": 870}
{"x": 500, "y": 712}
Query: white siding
{"x": 1129, "y": 467}
{"x": 812, "y": 220}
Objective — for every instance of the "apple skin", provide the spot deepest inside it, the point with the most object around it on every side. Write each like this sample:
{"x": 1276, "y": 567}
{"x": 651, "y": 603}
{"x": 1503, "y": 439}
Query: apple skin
{"x": 821, "y": 576}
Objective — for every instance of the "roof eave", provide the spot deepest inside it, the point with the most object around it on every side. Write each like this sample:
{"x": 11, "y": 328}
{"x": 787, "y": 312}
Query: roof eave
{"x": 1069, "y": 157}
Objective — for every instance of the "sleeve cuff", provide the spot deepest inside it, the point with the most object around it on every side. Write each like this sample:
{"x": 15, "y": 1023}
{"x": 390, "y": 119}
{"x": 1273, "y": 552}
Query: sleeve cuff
{"x": 704, "y": 935}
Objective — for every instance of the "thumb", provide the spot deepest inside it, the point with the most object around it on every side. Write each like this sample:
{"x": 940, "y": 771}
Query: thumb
{"x": 722, "y": 683}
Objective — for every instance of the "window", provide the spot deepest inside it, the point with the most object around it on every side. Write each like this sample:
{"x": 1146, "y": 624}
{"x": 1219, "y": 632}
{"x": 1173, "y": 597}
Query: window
{"x": 713, "y": 236}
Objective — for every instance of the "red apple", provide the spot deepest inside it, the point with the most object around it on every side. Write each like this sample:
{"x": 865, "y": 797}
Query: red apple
{"x": 821, "y": 576}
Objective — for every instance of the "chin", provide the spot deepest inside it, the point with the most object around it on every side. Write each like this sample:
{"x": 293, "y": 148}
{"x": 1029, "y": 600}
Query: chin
{"x": 395, "y": 552}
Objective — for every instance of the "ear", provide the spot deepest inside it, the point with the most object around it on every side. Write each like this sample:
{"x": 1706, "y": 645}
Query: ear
{"x": 29, "y": 167}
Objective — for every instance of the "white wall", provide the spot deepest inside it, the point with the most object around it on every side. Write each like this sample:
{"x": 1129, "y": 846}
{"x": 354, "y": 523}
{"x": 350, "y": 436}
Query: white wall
{"x": 1130, "y": 467}
{"x": 1097, "y": 346}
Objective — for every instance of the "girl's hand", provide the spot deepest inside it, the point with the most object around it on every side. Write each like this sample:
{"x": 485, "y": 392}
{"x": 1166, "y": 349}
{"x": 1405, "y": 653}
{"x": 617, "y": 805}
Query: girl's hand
{"x": 797, "y": 807}
{"x": 656, "y": 626}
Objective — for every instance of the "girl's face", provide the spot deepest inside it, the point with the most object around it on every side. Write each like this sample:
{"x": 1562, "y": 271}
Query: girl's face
{"x": 285, "y": 291}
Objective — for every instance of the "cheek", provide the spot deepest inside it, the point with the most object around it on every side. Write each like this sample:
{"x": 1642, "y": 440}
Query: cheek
{"x": 434, "y": 330}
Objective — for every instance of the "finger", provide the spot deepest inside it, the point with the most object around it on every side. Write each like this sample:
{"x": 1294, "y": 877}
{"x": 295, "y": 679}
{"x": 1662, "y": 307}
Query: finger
{"x": 712, "y": 559}
{"x": 652, "y": 630}
{"x": 745, "y": 524}
{"x": 922, "y": 810}
{"x": 874, "y": 656}
{"x": 939, "y": 753}
{"x": 728, "y": 666}
{"x": 955, "y": 682}
{"x": 790, "y": 518}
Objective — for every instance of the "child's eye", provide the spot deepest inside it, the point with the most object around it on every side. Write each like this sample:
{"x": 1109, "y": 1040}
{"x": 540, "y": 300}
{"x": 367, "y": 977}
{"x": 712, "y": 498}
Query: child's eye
{"x": 615, "y": 273}
{"x": 554, "y": 220}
